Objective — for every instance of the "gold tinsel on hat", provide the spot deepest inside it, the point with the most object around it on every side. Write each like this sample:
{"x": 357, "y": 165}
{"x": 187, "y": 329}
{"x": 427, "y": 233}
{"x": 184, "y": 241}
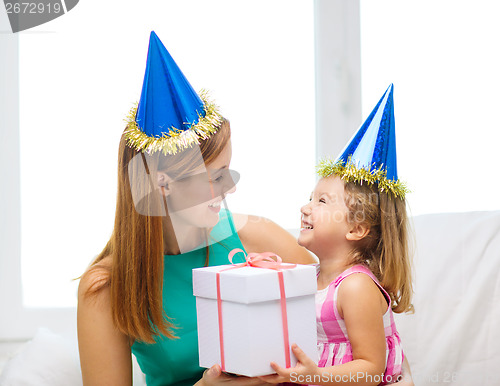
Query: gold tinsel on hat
{"x": 349, "y": 172}
{"x": 175, "y": 140}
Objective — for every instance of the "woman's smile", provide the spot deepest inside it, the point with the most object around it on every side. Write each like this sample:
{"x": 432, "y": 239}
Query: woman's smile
{"x": 215, "y": 206}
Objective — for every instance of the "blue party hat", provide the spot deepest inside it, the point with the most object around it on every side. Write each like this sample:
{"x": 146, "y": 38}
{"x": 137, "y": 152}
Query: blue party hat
{"x": 170, "y": 116}
{"x": 370, "y": 155}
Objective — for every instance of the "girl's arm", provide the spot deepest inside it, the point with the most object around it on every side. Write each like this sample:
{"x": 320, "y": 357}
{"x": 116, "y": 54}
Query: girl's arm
{"x": 105, "y": 356}
{"x": 258, "y": 234}
{"x": 362, "y": 306}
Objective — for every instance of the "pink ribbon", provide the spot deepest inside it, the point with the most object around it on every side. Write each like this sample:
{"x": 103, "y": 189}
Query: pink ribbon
{"x": 257, "y": 260}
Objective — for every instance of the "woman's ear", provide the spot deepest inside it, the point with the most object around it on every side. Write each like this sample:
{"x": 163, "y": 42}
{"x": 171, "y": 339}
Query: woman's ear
{"x": 163, "y": 181}
{"x": 357, "y": 232}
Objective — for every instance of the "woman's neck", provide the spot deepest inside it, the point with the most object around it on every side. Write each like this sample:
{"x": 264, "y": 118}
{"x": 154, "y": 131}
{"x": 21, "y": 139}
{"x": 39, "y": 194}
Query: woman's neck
{"x": 180, "y": 239}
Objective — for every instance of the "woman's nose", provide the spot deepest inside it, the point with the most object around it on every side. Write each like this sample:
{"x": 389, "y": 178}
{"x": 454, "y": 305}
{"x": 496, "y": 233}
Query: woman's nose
{"x": 231, "y": 189}
{"x": 231, "y": 179}
{"x": 228, "y": 187}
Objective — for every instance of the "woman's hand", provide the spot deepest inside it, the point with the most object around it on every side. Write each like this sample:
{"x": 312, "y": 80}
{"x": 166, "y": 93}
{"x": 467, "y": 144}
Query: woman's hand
{"x": 214, "y": 376}
{"x": 305, "y": 367}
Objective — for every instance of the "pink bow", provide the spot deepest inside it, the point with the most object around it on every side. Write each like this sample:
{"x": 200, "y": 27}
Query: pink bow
{"x": 259, "y": 260}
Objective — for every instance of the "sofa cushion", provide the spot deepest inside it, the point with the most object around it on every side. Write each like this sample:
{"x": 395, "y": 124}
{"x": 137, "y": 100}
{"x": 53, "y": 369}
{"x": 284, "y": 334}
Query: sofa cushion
{"x": 454, "y": 335}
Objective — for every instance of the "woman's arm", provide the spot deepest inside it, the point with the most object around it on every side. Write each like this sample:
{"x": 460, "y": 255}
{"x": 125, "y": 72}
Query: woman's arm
{"x": 105, "y": 355}
{"x": 258, "y": 234}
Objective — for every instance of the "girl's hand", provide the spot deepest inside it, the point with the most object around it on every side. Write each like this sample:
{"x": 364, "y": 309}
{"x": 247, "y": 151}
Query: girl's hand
{"x": 214, "y": 376}
{"x": 305, "y": 366}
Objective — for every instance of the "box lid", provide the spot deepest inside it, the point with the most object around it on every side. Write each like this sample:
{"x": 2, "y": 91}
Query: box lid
{"x": 251, "y": 284}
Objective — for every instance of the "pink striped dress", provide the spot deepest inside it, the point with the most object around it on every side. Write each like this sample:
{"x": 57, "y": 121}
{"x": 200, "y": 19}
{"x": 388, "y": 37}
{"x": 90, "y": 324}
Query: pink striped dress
{"x": 334, "y": 347}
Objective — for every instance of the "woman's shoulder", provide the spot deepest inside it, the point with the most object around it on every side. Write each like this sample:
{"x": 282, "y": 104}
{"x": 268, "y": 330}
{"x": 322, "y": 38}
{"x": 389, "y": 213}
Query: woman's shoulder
{"x": 94, "y": 283}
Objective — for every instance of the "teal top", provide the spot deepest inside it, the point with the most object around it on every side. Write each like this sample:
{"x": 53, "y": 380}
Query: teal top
{"x": 170, "y": 362}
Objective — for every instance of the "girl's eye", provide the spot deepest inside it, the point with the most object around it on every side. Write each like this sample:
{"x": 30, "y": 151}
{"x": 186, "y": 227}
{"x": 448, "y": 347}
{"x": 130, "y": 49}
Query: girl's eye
{"x": 322, "y": 200}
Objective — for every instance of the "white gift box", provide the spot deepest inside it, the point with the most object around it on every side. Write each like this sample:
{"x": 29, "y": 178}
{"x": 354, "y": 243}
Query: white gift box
{"x": 252, "y": 316}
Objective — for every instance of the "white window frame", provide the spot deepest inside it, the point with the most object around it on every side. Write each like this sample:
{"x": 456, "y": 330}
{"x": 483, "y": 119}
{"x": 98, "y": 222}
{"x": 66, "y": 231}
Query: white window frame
{"x": 338, "y": 105}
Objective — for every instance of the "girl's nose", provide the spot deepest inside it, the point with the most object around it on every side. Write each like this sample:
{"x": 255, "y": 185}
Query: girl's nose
{"x": 306, "y": 209}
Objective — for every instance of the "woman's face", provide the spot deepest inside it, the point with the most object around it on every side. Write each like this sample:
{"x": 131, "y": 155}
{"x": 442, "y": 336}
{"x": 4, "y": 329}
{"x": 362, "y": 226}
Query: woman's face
{"x": 195, "y": 200}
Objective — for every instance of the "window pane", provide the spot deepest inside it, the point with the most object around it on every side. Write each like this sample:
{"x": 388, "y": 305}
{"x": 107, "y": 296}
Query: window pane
{"x": 443, "y": 59}
{"x": 81, "y": 73}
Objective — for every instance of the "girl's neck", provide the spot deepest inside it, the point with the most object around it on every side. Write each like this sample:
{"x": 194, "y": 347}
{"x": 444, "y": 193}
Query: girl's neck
{"x": 332, "y": 266}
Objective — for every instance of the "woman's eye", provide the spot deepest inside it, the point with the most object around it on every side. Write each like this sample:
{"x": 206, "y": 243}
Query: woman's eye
{"x": 218, "y": 179}
{"x": 322, "y": 200}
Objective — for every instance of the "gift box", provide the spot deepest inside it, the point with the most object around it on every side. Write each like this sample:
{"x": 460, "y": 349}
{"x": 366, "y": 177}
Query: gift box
{"x": 248, "y": 316}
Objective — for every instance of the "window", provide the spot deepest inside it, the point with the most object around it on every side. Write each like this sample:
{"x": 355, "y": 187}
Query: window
{"x": 442, "y": 58}
{"x": 81, "y": 73}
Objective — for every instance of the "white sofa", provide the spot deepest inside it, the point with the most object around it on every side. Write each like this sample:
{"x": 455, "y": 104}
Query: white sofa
{"x": 452, "y": 338}
{"x": 454, "y": 335}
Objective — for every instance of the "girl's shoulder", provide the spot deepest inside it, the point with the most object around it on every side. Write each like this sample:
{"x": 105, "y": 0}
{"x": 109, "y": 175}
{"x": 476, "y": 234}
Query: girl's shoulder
{"x": 366, "y": 285}
{"x": 358, "y": 268}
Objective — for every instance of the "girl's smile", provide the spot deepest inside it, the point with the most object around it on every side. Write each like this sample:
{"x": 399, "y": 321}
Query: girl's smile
{"x": 305, "y": 225}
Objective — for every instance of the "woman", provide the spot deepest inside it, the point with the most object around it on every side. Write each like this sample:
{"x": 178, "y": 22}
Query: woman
{"x": 108, "y": 321}
{"x": 137, "y": 294}
{"x": 168, "y": 220}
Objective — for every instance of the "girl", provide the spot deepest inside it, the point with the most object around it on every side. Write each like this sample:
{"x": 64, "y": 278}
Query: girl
{"x": 137, "y": 295}
{"x": 356, "y": 224}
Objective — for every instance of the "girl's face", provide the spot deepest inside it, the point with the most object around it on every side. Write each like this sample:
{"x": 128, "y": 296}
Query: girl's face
{"x": 196, "y": 199}
{"x": 324, "y": 219}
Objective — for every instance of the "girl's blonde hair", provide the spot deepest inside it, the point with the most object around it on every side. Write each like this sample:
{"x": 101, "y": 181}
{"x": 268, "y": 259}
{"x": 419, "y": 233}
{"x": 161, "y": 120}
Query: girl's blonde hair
{"x": 135, "y": 277}
{"x": 385, "y": 250}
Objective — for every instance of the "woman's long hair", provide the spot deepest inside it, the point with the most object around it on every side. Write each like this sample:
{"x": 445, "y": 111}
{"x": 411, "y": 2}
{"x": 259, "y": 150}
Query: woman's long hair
{"x": 385, "y": 250}
{"x": 136, "y": 246}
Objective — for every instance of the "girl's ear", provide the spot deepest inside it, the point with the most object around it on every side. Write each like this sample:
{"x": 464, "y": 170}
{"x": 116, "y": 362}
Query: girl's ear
{"x": 357, "y": 232}
{"x": 164, "y": 181}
